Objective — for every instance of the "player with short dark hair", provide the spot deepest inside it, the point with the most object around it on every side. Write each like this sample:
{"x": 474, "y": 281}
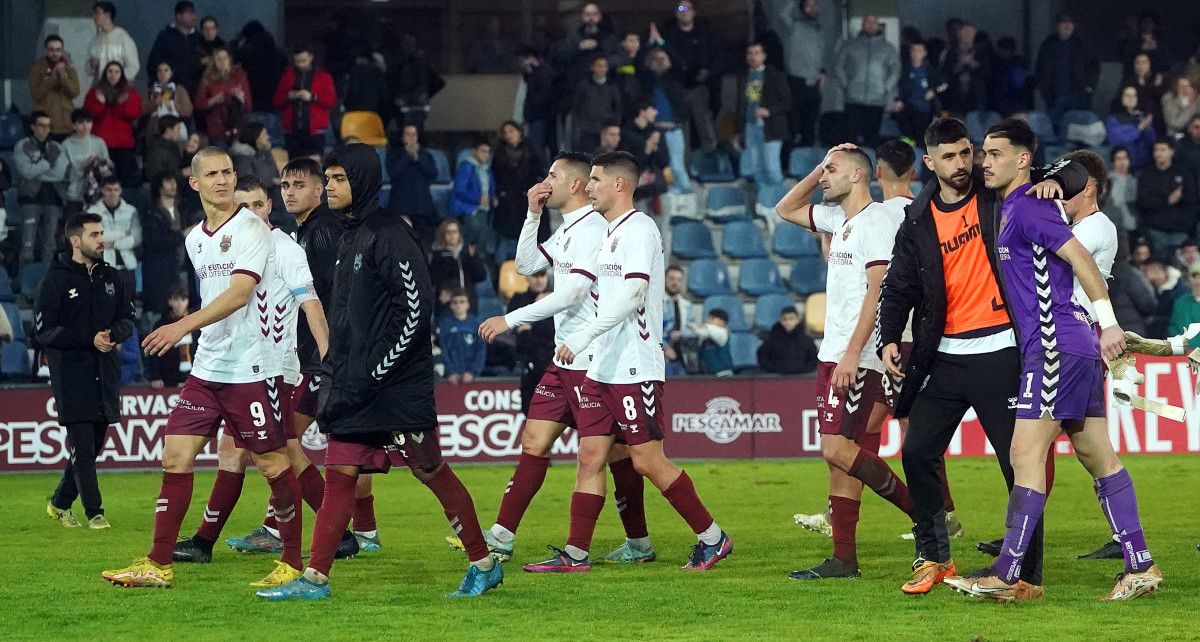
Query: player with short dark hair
{"x": 622, "y": 390}
{"x": 1061, "y": 386}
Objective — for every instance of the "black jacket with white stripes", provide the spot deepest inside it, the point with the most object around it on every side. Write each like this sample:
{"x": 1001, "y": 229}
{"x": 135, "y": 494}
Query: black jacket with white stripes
{"x": 378, "y": 374}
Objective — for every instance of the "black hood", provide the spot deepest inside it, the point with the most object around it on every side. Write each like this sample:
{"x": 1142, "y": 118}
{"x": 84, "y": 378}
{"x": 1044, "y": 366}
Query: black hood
{"x": 365, "y": 173}
{"x": 64, "y": 261}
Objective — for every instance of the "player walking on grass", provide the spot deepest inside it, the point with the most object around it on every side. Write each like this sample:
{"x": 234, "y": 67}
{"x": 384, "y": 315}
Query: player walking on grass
{"x": 235, "y": 374}
{"x": 851, "y": 407}
{"x": 572, "y": 252}
{"x": 624, "y": 385}
{"x": 377, "y": 401}
{"x": 291, "y": 291}
{"x": 1061, "y": 386}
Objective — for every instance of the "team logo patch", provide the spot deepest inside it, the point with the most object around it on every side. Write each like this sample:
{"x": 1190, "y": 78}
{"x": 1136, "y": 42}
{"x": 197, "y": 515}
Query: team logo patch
{"x": 110, "y": 289}
{"x": 72, "y": 293}
{"x": 846, "y": 232}
{"x": 357, "y": 262}
{"x": 226, "y": 242}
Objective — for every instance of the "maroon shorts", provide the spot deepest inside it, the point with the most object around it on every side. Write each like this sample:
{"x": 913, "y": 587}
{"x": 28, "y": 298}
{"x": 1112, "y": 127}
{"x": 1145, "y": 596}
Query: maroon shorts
{"x": 286, "y": 406}
{"x": 253, "y": 412}
{"x": 847, "y": 416}
{"x": 629, "y": 410}
{"x": 891, "y": 384}
{"x": 556, "y": 397}
{"x": 304, "y": 397}
{"x": 377, "y": 452}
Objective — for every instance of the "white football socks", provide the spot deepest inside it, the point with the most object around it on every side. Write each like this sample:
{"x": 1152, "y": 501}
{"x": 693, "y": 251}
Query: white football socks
{"x": 502, "y": 535}
{"x": 710, "y": 535}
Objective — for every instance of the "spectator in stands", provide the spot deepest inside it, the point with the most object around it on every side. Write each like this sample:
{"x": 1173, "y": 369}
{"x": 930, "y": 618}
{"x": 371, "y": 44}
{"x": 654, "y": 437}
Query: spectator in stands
{"x": 575, "y": 54}
{"x": 916, "y": 100}
{"x": 763, "y": 103}
{"x": 1066, "y": 70}
{"x": 223, "y": 100}
{"x": 210, "y": 39}
{"x": 453, "y": 261}
{"x": 366, "y": 87}
{"x": 83, "y": 151}
{"x": 1120, "y": 197}
{"x": 662, "y": 86}
{"x": 535, "y": 342}
{"x": 165, "y": 98}
{"x": 83, "y": 314}
{"x": 1179, "y": 105}
{"x": 164, "y": 371}
{"x": 414, "y": 82}
{"x": 1011, "y": 83}
{"x": 490, "y": 51}
{"x": 787, "y": 348}
{"x": 595, "y": 102}
{"x": 1140, "y": 252}
{"x": 1187, "y": 151}
{"x": 115, "y": 106}
{"x": 1166, "y": 200}
{"x": 966, "y": 67}
{"x": 474, "y": 195}
{"x": 1149, "y": 85}
{"x": 1169, "y": 286}
{"x": 6, "y": 330}
{"x": 1133, "y": 297}
{"x": 1131, "y": 127}
{"x": 699, "y": 53}
{"x": 162, "y": 247}
{"x": 122, "y": 232}
{"x": 540, "y": 99}
{"x": 625, "y": 65}
{"x": 678, "y": 318}
{"x": 516, "y": 166}
{"x": 804, "y": 50}
{"x": 111, "y": 44}
{"x": 164, "y": 154}
{"x": 263, "y": 62}
{"x": 642, "y": 139}
{"x": 868, "y": 66}
{"x": 178, "y": 45}
{"x": 305, "y": 95}
{"x": 251, "y": 155}
{"x": 41, "y": 172}
{"x": 463, "y": 352}
{"x": 412, "y": 169}
{"x": 713, "y": 340}
{"x": 1144, "y": 41}
{"x": 610, "y": 138}
{"x": 53, "y": 84}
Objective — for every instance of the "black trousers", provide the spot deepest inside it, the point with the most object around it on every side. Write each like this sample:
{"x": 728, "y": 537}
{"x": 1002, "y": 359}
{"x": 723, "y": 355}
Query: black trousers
{"x": 862, "y": 123}
{"x": 806, "y": 108}
{"x": 987, "y": 383}
{"x": 79, "y": 476}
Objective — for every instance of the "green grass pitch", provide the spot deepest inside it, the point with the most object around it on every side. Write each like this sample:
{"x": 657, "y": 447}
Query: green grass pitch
{"x": 53, "y": 589}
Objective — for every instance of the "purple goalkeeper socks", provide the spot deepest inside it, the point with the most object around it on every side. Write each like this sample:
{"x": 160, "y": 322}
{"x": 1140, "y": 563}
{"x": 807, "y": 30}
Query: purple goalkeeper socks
{"x": 1119, "y": 503}
{"x": 1025, "y": 507}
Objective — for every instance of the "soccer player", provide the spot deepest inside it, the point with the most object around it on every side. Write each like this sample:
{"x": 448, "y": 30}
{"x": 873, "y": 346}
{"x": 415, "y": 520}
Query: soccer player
{"x": 291, "y": 291}
{"x": 572, "y": 252}
{"x": 1061, "y": 386}
{"x": 235, "y": 375}
{"x": 850, "y": 402}
{"x": 377, "y": 402}
{"x": 623, "y": 388}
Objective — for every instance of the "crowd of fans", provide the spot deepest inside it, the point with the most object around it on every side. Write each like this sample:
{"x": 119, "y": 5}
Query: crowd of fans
{"x": 125, "y": 153}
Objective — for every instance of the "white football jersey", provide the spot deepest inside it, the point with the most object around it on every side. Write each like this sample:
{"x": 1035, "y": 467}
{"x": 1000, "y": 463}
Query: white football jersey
{"x": 571, "y": 249}
{"x": 631, "y": 352}
{"x": 291, "y": 287}
{"x": 857, "y": 244}
{"x": 1098, "y": 234}
{"x": 895, "y": 209}
{"x": 238, "y": 348}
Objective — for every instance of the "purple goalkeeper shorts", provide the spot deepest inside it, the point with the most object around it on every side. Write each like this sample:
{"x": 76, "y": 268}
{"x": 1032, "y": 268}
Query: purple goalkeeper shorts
{"x": 1064, "y": 386}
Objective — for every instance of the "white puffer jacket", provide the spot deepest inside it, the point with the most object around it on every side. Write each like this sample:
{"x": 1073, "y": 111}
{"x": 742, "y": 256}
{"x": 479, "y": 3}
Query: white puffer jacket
{"x": 122, "y": 233}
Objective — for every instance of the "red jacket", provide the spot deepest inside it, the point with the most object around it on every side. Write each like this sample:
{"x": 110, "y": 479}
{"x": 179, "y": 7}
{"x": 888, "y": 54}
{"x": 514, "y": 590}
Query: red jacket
{"x": 323, "y": 93}
{"x": 222, "y": 117}
{"x": 113, "y": 123}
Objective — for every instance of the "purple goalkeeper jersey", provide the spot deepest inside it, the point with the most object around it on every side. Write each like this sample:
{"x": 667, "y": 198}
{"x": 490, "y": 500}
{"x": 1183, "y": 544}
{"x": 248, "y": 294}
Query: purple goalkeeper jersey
{"x": 1038, "y": 282}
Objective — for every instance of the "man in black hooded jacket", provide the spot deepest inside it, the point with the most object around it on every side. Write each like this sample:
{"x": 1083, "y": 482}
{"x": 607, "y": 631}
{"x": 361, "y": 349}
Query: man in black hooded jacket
{"x": 376, "y": 401}
{"x": 83, "y": 314}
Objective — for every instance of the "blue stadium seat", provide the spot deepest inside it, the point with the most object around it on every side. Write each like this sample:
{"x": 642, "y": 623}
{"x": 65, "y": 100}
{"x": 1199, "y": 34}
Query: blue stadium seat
{"x": 1052, "y": 152}
{"x": 14, "y": 319}
{"x": 767, "y": 307}
{"x": 792, "y": 242}
{"x": 743, "y": 347}
{"x": 919, "y": 164}
{"x": 732, "y": 306}
{"x": 6, "y": 289}
{"x": 31, "y": 278}
{"x": 871, "y": 154}
{"x": 726, "y": 203}
{"x": 768, "y": 195}
{"x": 14, "y": 359}
{"x": 803, "y": 160}
{"x": 385, "y": 196}
{"x": 1041, "y": 124}
{"x": 743, "y": 240}
{"x": 808, "y": 275}
{"x": 708, "y": 277}
{"x": 711, "y": 166}
{"x": 441, "y": 199}
{"x": 759, "y": 277}
{"x": 490, "y": 308}
{"x": 443, "y": 166}
{"x": 691, "y": 240}
{"x": 12, "y": 130}
{"x": 485, "y": 290}
{"x": 1077, "y": 117}
{"x": 876, "y": 191}
{"x": 888, "y": 129}
{"x": 978, "y": 123}
{"x": 382, "y": 152}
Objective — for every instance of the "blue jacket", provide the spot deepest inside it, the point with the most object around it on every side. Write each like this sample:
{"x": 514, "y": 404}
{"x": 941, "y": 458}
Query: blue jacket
{"x": 462, "y": 350}
{"x": 1140, "y": 142}
{"x": 410, "y": 185}
{"x": 467, "y": 190}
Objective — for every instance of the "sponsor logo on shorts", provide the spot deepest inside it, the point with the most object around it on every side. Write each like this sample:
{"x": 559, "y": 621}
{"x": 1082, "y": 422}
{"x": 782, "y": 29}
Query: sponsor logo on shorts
{"x": 723, "y": 421}
{"x": 544, "y": 392}
{"x": 184, "y": 404}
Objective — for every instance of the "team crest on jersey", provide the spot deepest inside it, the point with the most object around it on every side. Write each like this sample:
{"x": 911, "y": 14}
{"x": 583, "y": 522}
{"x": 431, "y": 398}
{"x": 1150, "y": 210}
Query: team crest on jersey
{"x": 846, "y": 232}
{"x": 357, "y": 262}
{"x": 110, "y": 289}
{"x": 226, "y": 242}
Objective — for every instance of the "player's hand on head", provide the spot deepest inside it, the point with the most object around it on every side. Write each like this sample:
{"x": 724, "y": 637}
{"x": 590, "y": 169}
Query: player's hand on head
{"x": 1112, "y": 342}
{"x": 891, "y": 360}
{"x": 1046, "y": 190}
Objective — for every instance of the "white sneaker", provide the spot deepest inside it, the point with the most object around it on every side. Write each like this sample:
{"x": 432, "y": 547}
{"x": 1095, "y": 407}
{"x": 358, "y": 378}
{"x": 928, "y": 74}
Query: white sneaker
{"x": 953, "y": 527}
{"x": 818, "y": 523}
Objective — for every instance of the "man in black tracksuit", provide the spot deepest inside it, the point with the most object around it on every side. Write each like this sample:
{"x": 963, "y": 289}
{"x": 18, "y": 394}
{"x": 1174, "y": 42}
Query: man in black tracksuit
{"x": 83, "y": 314}
{"x": 377, "y": 401}
{"x": 964, "y": 346}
